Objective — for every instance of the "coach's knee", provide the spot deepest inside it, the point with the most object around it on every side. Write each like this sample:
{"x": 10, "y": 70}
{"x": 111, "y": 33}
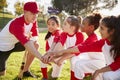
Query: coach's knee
{"x": 36, "y": 45}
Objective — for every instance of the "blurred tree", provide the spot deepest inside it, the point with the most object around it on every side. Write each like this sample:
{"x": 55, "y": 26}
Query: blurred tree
{"x": 109, "y": 4}
{"x": 3, "y": 4}
{"x": 18, "y": 8}
{"x": 76, "y": 7}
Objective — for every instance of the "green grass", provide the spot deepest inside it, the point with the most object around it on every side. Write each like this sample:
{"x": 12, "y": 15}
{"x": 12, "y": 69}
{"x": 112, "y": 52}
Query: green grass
{"x": 4, "y": 19}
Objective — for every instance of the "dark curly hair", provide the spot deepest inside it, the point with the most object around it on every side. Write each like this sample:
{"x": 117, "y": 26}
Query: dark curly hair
{"x": 94, "y": 19}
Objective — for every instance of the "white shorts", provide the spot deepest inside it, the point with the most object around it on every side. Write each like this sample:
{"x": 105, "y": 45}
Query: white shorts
{"x": 87, "y": 66}
{"x": 112, "y": 75}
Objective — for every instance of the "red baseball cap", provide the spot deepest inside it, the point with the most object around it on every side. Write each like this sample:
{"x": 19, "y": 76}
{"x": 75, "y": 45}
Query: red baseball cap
{"x": 32, "y": 7}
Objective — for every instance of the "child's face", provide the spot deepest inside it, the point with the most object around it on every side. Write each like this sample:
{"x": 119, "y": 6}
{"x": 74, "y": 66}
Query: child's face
{"x": 85, "y": 27}
{"x": 52, "y": 26}
{"x": 66, "y": 27}
{"x": 104, "y": 32}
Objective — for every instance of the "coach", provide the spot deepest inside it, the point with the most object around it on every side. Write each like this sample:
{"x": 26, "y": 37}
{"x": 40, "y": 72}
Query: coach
{"x": 18, "y": 35}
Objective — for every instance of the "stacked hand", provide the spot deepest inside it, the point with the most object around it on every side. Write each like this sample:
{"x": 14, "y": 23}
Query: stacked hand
{"x": 48, "y": 57}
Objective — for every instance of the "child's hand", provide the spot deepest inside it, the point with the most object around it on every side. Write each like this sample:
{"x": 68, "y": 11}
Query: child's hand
{"x": 44, "y": 60}
{"x": 47, "y": 57}
{"x": 59, "y": 62}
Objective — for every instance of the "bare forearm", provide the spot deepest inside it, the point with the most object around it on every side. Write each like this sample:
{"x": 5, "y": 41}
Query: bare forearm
{"x": 105, "y": 69}
{"x": 31, "y": 48}
{"x": 67, "y": 56}
{"x": 69, "y": 50}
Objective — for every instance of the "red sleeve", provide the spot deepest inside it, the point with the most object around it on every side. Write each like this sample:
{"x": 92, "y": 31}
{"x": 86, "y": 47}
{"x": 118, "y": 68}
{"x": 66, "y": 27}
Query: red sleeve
{"x": 94, "y": 47}
{"x": 18, "y": 30}
{"x": 57, "y": 36}
{"x": 47, "y": 46}
{"x": 34, "y": 29}
{"x": 63, "y": 38}
{"x": 79, "y": 37}
{"x": 116, "y": 64}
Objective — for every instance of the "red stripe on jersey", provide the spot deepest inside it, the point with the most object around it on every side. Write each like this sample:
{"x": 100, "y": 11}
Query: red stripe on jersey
{"x": 116, "y": 64}
{"x": 57, "y": 35}
{"x": 79, "y": 38}
{"x": 94, "y": 47}
{"x": 18, "y": 30}
{"x": 56, "y": 39}
{"x": 91, "y": 38}
{"x": 47, "y": 46}
{"x": 34, "y": 29}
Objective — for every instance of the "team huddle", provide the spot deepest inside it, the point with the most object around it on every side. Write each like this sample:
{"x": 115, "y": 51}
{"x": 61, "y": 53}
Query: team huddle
{"x": 95, "y": 55}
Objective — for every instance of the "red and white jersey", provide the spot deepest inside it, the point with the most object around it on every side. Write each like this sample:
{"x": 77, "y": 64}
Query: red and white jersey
{"x": 53, "y": 38}
{"x": 91, "y": 38}
{"x": 17, "y": 31}
{"x": 71, "y": 40}
{"x": 104, "y": 46}
{"x": 93, "y": 55}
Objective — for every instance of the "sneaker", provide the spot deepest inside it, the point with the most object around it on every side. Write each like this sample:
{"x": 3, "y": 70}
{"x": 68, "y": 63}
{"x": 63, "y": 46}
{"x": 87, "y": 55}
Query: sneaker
{"x": 28, "y": 74}
{"x": 44, "y": 79}
{"x": 2, "y": 73}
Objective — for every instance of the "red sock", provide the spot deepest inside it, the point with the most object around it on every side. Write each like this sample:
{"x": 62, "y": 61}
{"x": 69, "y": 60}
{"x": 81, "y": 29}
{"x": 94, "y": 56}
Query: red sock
{"x": 44, "y": 72}
{"x": 73, "y": 76}
{"x": 88, "y": 74}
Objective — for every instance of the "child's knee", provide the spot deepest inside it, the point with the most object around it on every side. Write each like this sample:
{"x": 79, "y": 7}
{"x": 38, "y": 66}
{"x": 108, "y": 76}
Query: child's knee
{"x": 107, "y": 76}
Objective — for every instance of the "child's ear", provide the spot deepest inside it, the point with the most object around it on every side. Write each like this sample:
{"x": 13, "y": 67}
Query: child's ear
{"x": 73, "y": 27}
{"x": 111, "y": 32}
{"x": 92, "y": 27}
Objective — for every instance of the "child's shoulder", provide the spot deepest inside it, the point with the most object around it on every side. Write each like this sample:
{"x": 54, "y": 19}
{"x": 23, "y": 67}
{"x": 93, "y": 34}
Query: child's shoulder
{"x": 79, "y": 33}
{"x": 63, "y": 33}
{"x": 58, "y": 32}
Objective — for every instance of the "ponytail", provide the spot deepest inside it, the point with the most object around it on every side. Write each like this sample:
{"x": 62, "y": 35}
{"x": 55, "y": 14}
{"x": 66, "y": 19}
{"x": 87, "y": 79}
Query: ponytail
{"x": 48, "y": 35}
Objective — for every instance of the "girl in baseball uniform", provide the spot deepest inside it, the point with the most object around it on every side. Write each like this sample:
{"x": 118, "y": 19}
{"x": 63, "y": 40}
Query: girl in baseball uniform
{"x": 109, "y": 45}
{"x": 71, "y": 36}
{"x": 52, "y": 37}
{"x": 95, "y": 60}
